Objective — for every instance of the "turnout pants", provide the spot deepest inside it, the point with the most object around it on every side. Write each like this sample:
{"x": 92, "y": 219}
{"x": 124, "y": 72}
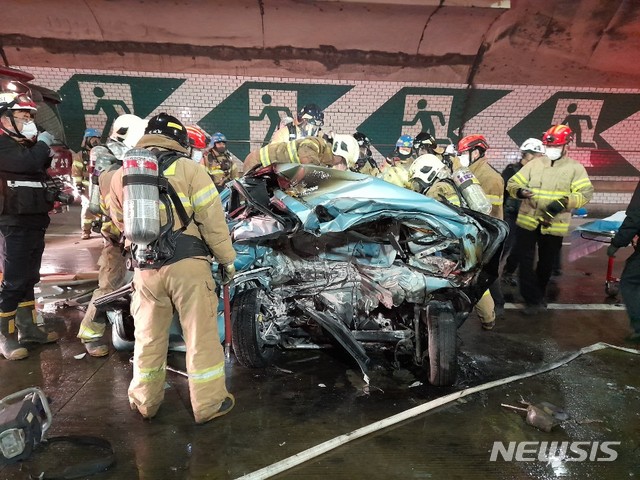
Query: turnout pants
{"x": 630, "y": 289}
{"x": 21, "y": 256}
{"x": 534, "y": 278}
{"x": 188, "y": 286}
{"x": 111, "y": 276}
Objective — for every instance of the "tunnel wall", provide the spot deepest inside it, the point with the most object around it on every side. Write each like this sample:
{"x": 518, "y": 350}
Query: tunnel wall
{"x": 246, "y": 109}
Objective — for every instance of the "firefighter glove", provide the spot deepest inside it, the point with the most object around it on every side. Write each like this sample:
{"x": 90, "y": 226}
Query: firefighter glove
{"x": 45, "y": 137}
{"x": 555, "y": 207}
{"x": 227, "y": 271}
{"x": 524, "y": 193}
{"x": 611, "y": 251}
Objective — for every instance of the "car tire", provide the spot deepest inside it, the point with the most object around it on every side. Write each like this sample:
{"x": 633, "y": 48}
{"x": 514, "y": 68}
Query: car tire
{"x": 442, "y": 334}
{"x": 246, "y": 315}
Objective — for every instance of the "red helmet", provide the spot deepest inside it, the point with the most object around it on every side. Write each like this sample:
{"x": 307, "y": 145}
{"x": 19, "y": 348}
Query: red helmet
{"x": 557, "y": 135}
{"x": 197, "y": 137}
{"x": 472, "y": 141}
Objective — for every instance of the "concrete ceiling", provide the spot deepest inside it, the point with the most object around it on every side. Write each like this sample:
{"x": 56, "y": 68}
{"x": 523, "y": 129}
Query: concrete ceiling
{"x": 590, "y": 43}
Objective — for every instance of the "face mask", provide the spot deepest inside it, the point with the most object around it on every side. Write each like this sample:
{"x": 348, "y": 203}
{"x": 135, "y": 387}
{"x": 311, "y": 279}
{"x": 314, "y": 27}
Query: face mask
{"x": 464, "y": 159}
{"x": 196, "y": 156}
{"x": 554, "y": 153}
{"x": 29, "y": 130}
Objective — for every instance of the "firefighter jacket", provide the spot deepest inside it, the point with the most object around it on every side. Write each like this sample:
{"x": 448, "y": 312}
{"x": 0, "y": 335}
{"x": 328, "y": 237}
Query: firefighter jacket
{"x": 81, "y": 169}
{"x": 397, "y": 175}
{"x": 108, "y": 229}
{"x": 199, "y": 198}
{"x": 491, "y": 183}
{"x": 25, "y": 198}
{"x": 631, "y": 225}
{"x": 549, "y": 181}
{"x": 220, "y": 167}
{"x": 443, "y": 190}
{"x": 311, "y": 150}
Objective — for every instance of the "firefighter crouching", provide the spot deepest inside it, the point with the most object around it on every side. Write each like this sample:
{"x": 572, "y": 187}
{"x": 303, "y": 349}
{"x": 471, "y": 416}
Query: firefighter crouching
{"x": 183, "y": 281}
{"x": 25, "y": 201}
{"x": 81, "y": 174}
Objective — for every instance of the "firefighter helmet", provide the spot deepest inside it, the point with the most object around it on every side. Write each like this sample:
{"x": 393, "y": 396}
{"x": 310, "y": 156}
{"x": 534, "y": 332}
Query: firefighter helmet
{"x": 472, "y": 141}
{"x": 218, "y": 137}
{"x": 312, "y": 114}
{"x": 346, "y": 146}
{"x": 425, "y": 170}
{"x": 91, "y": 132}
{"x": 121, "y": 126}
{"x": 557, "y": 135}
{"x": 424, "y": 140}
{"x": 197, "y": 137}
{"x": 532, "y": 145}
{"x": 17, "y": 101}
{"x": 362, "y": 139}
{"x": 168, "y": 126}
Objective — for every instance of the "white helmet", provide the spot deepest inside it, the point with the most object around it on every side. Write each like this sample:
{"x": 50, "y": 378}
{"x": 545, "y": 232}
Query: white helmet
{"x": 347, "y": 147}
{"x": 15, "y": 101}
{"x": 425, "y": 170}
{"x": 532, "y": 145}
{"x": 135, "y": 132}
{"x": 121, "y": 126}
{"x": 451, "y": 150}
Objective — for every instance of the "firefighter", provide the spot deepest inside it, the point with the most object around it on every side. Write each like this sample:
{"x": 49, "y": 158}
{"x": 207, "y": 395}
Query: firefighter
{"x": 308, "y": 123}
{"x": 396, "y": 166}
{"x": 81, "y": 172}
{"x": 549, "y": 186}
{"x": 24, "y": 217}
{"x": 310, "y": 150}
{"x": 425, "y": 143}
{"x": 471, "y": 152}
{"x": 630, "y": 278}
{"x": 112, "y": 273}
{"x": 365, "y": 163}
{"x": 183, "y": 282}
{"x": 345, "y": 150}
{"x": 431, "y": 177}
{"x": 199, "y": 140}
{"x": 219, "y": 162}
{"x": 531, "y": 148}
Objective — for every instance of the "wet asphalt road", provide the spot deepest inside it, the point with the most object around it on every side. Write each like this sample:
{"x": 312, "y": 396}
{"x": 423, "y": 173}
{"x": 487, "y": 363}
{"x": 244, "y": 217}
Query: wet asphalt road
{"x": 315, "y": 395}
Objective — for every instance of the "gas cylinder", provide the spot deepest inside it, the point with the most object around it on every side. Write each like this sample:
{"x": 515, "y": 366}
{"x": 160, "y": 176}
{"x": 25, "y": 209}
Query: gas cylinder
{"x": 471, "y": 190}
{"x": 141, "y": 197}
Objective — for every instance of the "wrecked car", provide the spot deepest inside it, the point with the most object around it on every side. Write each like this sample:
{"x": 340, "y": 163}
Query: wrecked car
{"x": 329, "y": 254}
{"x": 334, "y": 257}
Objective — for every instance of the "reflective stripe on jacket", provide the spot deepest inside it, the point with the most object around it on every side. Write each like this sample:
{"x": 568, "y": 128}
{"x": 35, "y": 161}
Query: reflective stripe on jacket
{"x": 550, "y": 181}
{"x": 492, "y": 184}
{"x": 309, "y": 150}
{"x": 442, "y": 190}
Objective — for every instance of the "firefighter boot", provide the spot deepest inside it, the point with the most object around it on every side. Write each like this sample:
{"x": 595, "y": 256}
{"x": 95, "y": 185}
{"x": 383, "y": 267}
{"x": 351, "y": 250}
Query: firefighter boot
{"x": 9, "y": 346}
{"x": 28, "y": 330}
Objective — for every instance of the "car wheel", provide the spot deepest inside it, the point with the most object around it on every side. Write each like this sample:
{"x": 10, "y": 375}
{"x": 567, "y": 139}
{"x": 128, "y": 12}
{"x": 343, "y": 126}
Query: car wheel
{"x": 442, "y": 346}
{"x": 248, "y": 321}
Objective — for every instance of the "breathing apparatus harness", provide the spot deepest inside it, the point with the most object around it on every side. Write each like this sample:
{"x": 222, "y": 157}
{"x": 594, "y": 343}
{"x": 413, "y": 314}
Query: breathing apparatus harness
{"x": 170, "y": 245}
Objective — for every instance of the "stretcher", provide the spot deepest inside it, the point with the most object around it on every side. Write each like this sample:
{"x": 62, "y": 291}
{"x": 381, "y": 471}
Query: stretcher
{"x": 592, "y": 236}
